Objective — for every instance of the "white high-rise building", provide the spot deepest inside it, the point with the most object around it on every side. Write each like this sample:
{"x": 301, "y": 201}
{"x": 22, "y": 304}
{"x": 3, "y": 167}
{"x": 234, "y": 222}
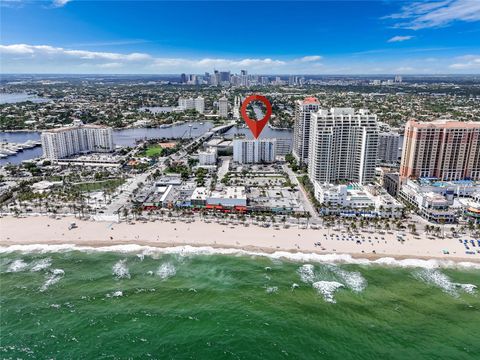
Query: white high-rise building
{"x": 343, "y": 146}
{"x": 388, "y": 147}
{"x": 301, "y": 129}
{"x": 77, "y": 139}
{"x": 236, "y": 108}
{"x": 186, "y": 104}
{"x": 254, "y": 151}
{"x": 223, "y": 107}
{"x": 199, "y": 104}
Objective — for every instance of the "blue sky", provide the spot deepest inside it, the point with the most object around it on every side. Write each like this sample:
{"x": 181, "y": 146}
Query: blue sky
{"x": 315, "y": 37}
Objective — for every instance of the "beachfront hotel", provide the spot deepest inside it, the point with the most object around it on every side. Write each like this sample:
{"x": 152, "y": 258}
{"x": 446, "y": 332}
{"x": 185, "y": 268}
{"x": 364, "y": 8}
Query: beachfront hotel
{"x": 301, "y": 128}
{"x": 77, "y": 139}
{"x": 443, "y": 149}
{"x": 254, "y": 151}
{"x": 343, "y": 146}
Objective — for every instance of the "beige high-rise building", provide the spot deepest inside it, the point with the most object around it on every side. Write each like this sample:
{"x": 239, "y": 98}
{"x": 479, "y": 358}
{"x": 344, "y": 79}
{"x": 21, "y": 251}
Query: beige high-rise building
{"x": 301, "y": 128}
{"x": 444, "y": 149}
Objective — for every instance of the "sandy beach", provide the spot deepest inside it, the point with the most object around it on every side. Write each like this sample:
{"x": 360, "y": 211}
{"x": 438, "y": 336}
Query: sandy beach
{"x": 46, "y": 230}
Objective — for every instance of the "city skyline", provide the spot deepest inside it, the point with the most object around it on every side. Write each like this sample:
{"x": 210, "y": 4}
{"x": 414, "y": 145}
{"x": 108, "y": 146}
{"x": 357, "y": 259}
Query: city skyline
{"x": 271, "y": 38}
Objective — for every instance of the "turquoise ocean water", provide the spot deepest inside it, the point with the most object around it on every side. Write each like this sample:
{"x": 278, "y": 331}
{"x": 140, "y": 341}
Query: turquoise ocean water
{"x": 112, "y": 305}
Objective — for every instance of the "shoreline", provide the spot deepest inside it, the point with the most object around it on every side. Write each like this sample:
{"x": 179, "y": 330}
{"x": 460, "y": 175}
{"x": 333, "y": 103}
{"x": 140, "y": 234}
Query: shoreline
{"x": 42, "y": 231}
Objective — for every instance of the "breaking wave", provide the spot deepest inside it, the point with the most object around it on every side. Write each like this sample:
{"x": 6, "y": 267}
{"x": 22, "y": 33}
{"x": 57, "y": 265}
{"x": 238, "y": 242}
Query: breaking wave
{"x": 166, "y": 270}
{"x": 40, "y": 265}
{"x": 208, "y": 250}
{"x": 55, "y": 276}
{"x": 117, "y": 293}
{"x": 306, "y": 273}
{"x": 327, "y": 289}
{"x": 17, "y": 266}
{"x": 437, "y": 278}
{"x": 120, "y": 269}
{"x": 352, "y": 279}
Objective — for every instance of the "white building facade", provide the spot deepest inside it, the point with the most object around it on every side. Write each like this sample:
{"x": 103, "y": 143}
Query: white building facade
{"x": 254, "y": 151}
{"x": 199, "y": 104}
{"x": 77, "y": 139}
{"x": 186, "y": 103}
{"x": 343, "y": 146}
{"x": 208, "y": 157}
{"x": 355, "y": 199}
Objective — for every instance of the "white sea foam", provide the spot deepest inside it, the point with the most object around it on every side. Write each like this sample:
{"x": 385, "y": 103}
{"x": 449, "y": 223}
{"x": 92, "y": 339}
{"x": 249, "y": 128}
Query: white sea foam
{"x": 353, "y": 279}
{"x": 166, "y": 270}
{"x": 120, "y": 269}
{"x": 468, "y": 288}
{"x": 17, "y": 265}
{"x": 272, "y": 289}
{"x": 53, "y": 277}
{"x": 41, "y": 264}
{"x": 208, "y": 250}
{"x": 327, "y": 289}
{"x": 117, "y": 293}
{"x": 307, "y": 274}
{"x": 436, "y": 278}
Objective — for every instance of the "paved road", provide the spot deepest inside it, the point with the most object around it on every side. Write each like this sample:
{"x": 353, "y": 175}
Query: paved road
{"x": 307, "y": 205}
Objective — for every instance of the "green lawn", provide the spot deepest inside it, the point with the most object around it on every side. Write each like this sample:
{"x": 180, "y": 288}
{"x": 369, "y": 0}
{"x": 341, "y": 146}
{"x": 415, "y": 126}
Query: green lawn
{"x": 99, "y": 185}
{"x": 152, "y": 151}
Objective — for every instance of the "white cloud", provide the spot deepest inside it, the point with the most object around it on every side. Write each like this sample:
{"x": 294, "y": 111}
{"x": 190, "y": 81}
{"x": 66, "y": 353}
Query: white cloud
{"x": 26, "y": 58}
{"x": 60, "y": 3}
{"x": 399, "y": 38}
{"x": 44, "y": 57}
{"x": 467, "y": 62}
{"x": 311, "y": 58}
{"x": 420, "y": 15}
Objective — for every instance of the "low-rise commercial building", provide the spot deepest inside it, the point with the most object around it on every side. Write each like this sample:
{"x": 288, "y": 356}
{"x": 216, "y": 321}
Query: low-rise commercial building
{"x": 355, "y": 199}
{"x": 208, "y": 156}
{"x": 228, "y": 197}
{"x": 432, "y": 206}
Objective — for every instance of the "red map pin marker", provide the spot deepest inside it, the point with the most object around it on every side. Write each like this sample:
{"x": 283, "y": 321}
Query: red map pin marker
{"x": 256, "y": 126}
